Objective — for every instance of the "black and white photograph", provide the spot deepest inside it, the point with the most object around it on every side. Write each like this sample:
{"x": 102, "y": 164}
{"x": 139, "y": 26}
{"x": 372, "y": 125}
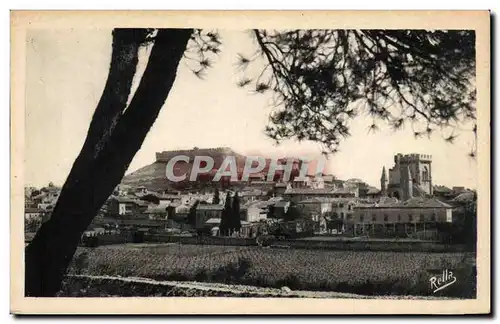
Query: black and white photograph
{"x": 252, "y": 160}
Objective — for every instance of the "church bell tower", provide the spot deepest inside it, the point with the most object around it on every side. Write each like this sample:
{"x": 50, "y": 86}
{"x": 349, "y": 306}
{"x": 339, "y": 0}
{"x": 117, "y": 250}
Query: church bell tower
{"x": 383, "y": 183}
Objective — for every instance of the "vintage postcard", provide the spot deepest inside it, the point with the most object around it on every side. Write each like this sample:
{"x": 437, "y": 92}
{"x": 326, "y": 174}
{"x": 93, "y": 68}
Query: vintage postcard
{"x": 250, "y": 162}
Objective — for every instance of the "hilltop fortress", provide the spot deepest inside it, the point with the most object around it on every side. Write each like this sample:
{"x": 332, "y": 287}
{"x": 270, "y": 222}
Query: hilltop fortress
{"x": 154, "y": 175}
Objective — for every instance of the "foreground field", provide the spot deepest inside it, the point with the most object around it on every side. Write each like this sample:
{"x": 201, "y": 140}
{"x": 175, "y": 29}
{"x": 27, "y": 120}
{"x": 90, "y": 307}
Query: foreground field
{"x": 108, "y": 286}
{"x": 379, "y": 273}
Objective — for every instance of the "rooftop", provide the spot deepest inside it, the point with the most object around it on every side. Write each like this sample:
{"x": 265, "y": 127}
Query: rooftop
{"x": 305, "y": 179}
{"x": 123, "y": 199}
{"x": 325, "y": 200}
{"x": 423, "y": 202}
{"x": 142, "y": 222}
{"x": 32, "y": 210}
{"x": 308, "y": 191}
{"x": 442, "y": 189}
{"x": 281, "y": 204}
{"x": 258, "y": 204}
{"x": 160, "y": 209}
{"x": 252, "y": 192}
{"x": 213, "y": 221}
{"x": 416, "y": 202}
{"x": 209, "y": 207}
{"x": 464, "y": 197}
{"x": 372, "y": 191}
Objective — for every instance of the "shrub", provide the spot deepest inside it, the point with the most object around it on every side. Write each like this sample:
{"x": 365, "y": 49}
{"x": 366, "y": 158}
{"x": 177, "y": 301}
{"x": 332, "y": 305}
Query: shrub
{"x": 290, "y": 281}
{"x": 81, "y": 262}
{"x": 232, "y": 272}
{"x": 202, "y": 275}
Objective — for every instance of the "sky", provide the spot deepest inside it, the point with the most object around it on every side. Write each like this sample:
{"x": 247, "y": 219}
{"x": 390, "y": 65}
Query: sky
{"x": 65, "y": 75}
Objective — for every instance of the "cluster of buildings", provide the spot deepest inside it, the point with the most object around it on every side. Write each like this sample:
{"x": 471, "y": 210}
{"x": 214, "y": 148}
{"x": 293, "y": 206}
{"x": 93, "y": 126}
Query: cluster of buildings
{"x": 38, "y": 205}
{"x": 406, "y": 204}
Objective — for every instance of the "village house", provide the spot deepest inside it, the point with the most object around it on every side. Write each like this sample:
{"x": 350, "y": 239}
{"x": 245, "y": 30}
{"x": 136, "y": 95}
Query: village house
{"x": 315, "y": 207}
{"x": 369, "y": 192}
{"x": 33, "y": 213}
{"x": 258, "y": 176}
{"x": 247, "y": 229}
{"x": 28, "y": 191}
{"x": 299, "y": 194}
{"x": 317, "y": 183}
{"x": 254, "y": 211}
{"x": 46, "y": 199}
{"x": 280, "y": 208}
{"x": 157, "y": 211}
{"x": 324, "y": 209}
{"x": 263, "y": 185}
{"x": 314, "y": 182}
{"x": 51, "y": 192}
{"x": 442, "y": 192}
{"x": 336, "y": 183}
{"x": 328, "y": 179}
{"x": 28, "y": 203}
{"x": 410, "y": 216}
{"x": 301, "y": 182}
{"x": 177, "y": 224}
{"x": 122, "y": 190}
{"x": 33, "y": 219}
{"x": 341, "y": 208}
{"x": 191, "y": 198}
{"x": 463, "y": 198}
{"x": 159, "y": 198}
{"x": 165, "y": 197}
{"x": 182, "y": 209}
{"x": 95, "y": 231}
{"x": 117, "y": 205}
{"x": 250, "y": 195}
{"x": 140, "y": 190}
{"x": 204, "y": 212}
{"x": 46, "y": 207}
{"x": 279, "y": 188}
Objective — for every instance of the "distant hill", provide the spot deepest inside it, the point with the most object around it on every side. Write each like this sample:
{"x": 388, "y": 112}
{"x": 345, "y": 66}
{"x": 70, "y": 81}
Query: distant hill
{"x": 153, "y": 176}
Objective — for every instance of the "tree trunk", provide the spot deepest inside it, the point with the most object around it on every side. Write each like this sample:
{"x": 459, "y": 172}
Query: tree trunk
{"x": 112, "y": 141}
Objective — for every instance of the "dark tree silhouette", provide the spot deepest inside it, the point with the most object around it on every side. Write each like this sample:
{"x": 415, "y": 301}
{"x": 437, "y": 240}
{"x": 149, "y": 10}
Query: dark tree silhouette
{"x": 270, "y": 211}
{"x": 292, "y": 213}
{"x": 216, "y": 199}
{"x": 225, "y": 221}
{"x": 464, "y": 228}
{"x": 113, "y": 138}
{"x": 321, "y": 79}
{"x": 235, "y": 218}
{"x": 470, "y": 224}
{"x": 191, "y": 218}
{"x": 334, "y": 223}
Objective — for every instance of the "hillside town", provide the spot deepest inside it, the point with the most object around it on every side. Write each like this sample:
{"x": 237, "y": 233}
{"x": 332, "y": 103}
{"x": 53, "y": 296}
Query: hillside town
{"x": 406, "y": 205}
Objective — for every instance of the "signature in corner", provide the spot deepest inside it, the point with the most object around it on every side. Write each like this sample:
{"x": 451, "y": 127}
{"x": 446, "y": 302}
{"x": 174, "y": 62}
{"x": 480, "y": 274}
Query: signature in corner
{"x": 442, "y": 281}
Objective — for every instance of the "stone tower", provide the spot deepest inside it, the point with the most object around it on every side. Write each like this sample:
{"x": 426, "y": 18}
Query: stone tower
{"x": 407, "y": 184}
{"x": 383, "y": 183}
{"x": 420, "y": 166}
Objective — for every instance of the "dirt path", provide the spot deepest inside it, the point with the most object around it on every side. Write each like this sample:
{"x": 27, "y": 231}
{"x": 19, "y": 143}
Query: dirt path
{"x": 252, "y": 290}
